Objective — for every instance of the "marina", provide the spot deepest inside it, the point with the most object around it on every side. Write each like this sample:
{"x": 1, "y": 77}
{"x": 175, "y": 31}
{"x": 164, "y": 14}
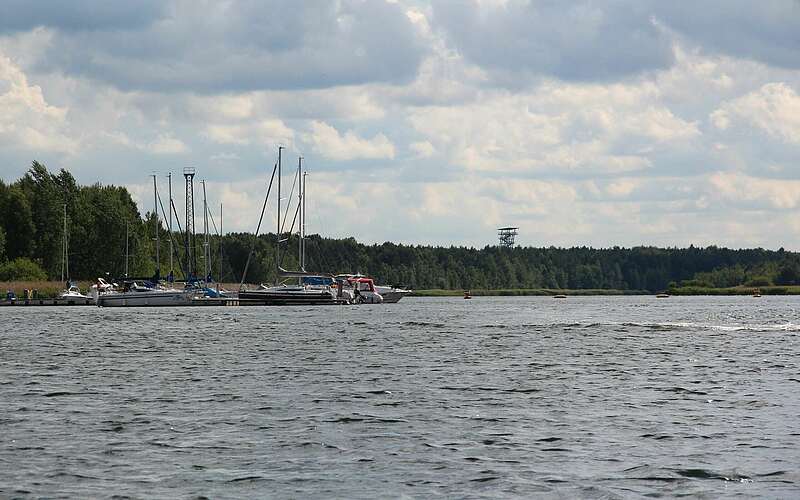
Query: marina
{"x": 190, "y": 280}
{"x": 62, "y": 302}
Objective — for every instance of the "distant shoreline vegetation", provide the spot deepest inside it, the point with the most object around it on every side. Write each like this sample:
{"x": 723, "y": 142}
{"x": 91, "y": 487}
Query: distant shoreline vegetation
{"x": 31, "y": 232}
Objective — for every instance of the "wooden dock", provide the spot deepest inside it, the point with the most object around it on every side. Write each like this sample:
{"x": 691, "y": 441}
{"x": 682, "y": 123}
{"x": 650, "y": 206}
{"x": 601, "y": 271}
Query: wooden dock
{"x": 200, "y": 301}
{"x": 196, "y": 302}
{"x": 48, "y": 302}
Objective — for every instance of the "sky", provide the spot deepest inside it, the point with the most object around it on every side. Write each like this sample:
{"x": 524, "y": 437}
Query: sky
{"x": 597, "y": 123}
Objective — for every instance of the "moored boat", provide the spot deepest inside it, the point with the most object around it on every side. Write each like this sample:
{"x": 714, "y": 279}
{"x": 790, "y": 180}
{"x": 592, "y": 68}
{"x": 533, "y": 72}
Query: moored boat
{"x": 138, "y": 295}
{"x": 291, "y": 295}
{"x": 391, "y": 294}
{"x": 73, "y": 292}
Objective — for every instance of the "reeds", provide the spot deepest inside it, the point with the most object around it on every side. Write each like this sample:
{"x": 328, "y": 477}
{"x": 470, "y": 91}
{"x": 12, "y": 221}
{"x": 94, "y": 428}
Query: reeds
{"x": 44, "y": 289}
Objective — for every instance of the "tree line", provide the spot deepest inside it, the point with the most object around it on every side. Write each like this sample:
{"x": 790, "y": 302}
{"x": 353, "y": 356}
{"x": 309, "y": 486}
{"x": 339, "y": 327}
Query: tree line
{"x": 101, "y": 221}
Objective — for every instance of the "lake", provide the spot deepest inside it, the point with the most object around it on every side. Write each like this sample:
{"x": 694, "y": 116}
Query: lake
{"x": 583, "y": 397}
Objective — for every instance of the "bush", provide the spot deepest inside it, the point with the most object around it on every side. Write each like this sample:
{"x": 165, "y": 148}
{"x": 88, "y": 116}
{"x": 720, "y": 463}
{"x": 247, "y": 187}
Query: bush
{"x": 22, "y": 269}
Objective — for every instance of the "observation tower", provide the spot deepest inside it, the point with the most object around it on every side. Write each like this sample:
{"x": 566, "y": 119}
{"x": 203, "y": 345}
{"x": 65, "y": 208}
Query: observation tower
{"x": 507, "y": 235}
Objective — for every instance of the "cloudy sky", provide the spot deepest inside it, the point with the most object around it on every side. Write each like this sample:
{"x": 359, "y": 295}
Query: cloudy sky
{"x": 584, "y": 123}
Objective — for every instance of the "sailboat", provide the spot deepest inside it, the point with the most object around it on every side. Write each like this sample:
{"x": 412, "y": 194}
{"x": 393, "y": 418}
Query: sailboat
{"x": 311, "y": 288}
{"x": 146, "y": 292}
{"x": 72, "y": 291}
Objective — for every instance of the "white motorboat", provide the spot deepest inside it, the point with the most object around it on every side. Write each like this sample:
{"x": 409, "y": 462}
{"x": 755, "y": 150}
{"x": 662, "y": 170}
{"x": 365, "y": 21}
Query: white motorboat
{"x": 135, "y": 294}
{"x": 391, "y": 294}
{"x": 73, "y": 292}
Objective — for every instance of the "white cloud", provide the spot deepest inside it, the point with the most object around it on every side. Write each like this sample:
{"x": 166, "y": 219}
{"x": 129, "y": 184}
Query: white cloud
{"x": 26, "y": 119}
{"x": 555, "y": 127}
{"x": 269, "y": 132}
{"x": 165, "y": 144}
{"x": 773, "y": 108}
{"x": 751, "y": 192}
{"x": 422, "y": 149}
{"x": 328, "y": 142}
{"x": 225, "y": 157}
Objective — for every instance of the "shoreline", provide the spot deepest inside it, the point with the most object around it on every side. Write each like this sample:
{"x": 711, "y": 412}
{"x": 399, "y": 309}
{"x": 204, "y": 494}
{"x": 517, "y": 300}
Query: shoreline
{"x": 51, "y": 289}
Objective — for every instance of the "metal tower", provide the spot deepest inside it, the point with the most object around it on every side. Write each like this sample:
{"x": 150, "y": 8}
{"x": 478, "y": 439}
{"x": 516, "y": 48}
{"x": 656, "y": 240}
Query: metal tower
{"x": 507, "y": 235}
{"x": 191, "y": 254}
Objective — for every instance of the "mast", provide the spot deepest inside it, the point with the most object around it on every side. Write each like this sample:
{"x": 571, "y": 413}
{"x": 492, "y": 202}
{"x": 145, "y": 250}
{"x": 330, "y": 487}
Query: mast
{"x": 64, "y": 248}
{"x": 206, "y": 252}
{"x": 303, "y": 226}
{"x": 171, "y": 249}
{"x": 219, "y": 257}
{"x": 278, "y": 238}
{"x": 126, "y": 247}
{"x": 300, "y": 199}
{"x": 158, "y": 242}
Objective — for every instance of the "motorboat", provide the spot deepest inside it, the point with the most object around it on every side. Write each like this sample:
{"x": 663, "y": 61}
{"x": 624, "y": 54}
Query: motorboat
{"x": 364, "y": 291}
{"x": 73, "y": 292}
{"x": 136, "y": 294}
{"x": 391, "y": 294}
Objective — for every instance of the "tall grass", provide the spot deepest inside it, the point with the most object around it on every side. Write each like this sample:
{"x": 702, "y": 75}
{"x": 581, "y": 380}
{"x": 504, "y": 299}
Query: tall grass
{"x": 44, "y": 289}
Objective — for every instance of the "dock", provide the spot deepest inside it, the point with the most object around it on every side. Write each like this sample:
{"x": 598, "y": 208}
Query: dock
{"x": 47, "y": 302}
{"x": 200, "y": 301}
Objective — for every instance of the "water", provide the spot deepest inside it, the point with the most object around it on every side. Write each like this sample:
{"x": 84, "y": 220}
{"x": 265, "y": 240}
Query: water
{"x": 587, "y": 397}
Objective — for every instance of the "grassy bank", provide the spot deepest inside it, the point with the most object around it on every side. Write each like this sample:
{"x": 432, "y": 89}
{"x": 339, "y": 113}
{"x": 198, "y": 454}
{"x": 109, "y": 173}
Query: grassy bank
{"x": 44, "y": 289}
{"x": 511, "y": 292}
{"x": 736, "y": 290}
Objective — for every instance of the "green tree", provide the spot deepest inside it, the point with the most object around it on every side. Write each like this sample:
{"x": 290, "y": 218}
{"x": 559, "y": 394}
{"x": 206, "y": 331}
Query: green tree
{"x": 788, "y": 273}
{"x": 17, "y": 219}
{"x": 22, "y": 269}
{"x": 2, "y": 244}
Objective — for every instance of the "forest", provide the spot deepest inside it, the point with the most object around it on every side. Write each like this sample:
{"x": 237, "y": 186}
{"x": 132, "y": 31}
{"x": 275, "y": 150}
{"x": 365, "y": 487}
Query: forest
{"x": 102, "y": 220}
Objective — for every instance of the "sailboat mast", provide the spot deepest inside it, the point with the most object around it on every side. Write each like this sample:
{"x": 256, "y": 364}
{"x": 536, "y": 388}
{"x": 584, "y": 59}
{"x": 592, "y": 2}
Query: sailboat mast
{"x": 300, "y": 199}
{"x": 278, "y": 234}
{"x": 158, "y": 242}
{"x": 66, "y": 243}
{"x": 219, "y": 257}
{"x": 206, "y": 252}
{"x": 127, "y": 231}
{"x": 171, "y": 249}
{"x": 64, "y": 251}
{"x": 303, "y": 225}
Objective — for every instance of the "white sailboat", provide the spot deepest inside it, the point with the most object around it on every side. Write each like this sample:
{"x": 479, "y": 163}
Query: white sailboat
{"x": 135, "y": 293}
{"x": 313, "y": 292}
{"x": 72, "y": 291}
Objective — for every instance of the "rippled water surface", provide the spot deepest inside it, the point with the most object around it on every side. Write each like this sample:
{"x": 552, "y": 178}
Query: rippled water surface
{"x": 493, "y": 397}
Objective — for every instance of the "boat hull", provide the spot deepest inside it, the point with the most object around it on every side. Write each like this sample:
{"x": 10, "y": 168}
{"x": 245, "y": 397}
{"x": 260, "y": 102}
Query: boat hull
{"x": 394, "y": 296}
{"x": 145, "y": 299}
{"x": 290, "y": 297}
